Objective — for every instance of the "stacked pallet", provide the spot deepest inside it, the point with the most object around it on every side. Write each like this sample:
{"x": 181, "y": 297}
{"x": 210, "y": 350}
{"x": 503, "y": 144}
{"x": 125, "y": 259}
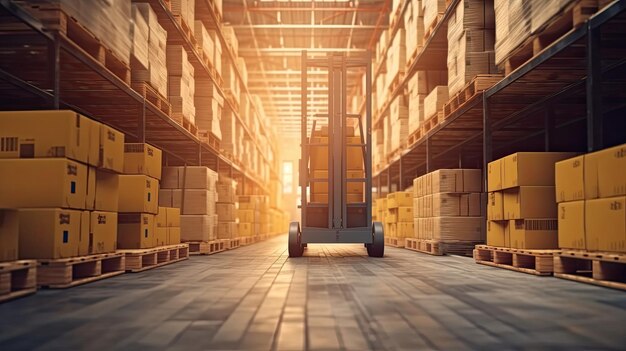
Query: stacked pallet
{"x": 181, "y": 86}
{"x": 193, "y": 190}
{"x": 148, "y": 50}
{"x": 591, "y": 196}
{"x": 414, "y": 26}
{"x": 399, "y": 218}
{"x": 471, "y": 37}
{"x": 433, "y": 11}
{"x": 419, "y": 85}
{"x": 227, "y": 208}
{"x": 70, "y": 212}
{"x": 447, "y": 211}
{"x": 433, "y": 102}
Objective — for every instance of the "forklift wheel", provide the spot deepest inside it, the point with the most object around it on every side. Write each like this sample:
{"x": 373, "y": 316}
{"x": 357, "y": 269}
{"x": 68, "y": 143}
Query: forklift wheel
{"x": 295, "y": 246}
{"x": 377, "y": 247}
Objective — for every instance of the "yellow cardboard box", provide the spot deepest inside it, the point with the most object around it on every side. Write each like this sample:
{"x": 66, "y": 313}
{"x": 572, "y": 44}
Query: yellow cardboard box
{"x": 90, "y": 193}
{"x": 169, "y": 177}
{"x": 196, "y": 227}
{"x": 494, "y": 175}
{"x": 49, "y": 233}
{"x": 143, "y": 159}
{"x": 591, "y": 169}
{"x": 111, "y": 149}
{"x": 406, "y": 229}
{"x": 138, "y": 194}
{"x": 531, "y": 168}
{"x": 160, "y": 236}
{"x": 456, "y": 181}
{"x": 197, "y": 177}
{"x": 226, "y": 212}
{"x": 498, "y": 234}
{"x": 605, "y": 224}
{"x": 572, "y": 225}
{"x": 351, "y": 187}
{"x": 173, "y": 217}
{"x": 612, "y": 172}
{"x": 399, "y": 199}
{"x": 534, "y": 233}
{"x": 173, "y": 235}
{"x": 135, "y": 231}
{"x": 160, "y": 220}
{"x": 530, "y": 202}
{"x": 102, "y": 232}
{"x": 245, "y": 216}
{"x": 246, "y": 229}
{"x": 55, "y": 133}
{"x": 318, "y": 153}
{"x": 495, "y": 206}
{"x": 458, "y": 228}
{"x": 569, "y": 175}
{"x": 354, "y": 154}
{"x": 197, "y": 201}
{"x": 405, "y": 214}
{"x": 227, "y": 230}
{"x": 43, "y": 182}
{"x": 107, "y": 191}
{"x": 85, "y": 240}
{"x": 166, "y": 197}
{"x": 9, "y": 235}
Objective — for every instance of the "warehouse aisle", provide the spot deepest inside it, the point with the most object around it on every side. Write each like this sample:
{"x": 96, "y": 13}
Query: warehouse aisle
{"x": 257, "y": 298}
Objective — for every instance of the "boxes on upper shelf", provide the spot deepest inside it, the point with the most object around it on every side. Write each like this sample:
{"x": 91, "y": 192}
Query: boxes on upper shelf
{"x": 434, "y": 101}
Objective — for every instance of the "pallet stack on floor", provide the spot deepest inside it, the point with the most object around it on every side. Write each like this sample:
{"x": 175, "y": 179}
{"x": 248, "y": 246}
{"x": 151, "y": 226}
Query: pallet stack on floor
{"x": 521, "y": 212}
{"x": 591, "y": 196}
{"x": 399, "y": 218}
{"x": 447, "y": 209}
{"x": 227, "y": 198}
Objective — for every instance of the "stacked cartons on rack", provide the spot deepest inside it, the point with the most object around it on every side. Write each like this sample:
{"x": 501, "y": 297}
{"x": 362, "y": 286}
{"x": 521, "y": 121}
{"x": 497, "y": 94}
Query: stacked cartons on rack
{"x": 433, "y": 102}
{"x": 471, "y": 39}
{"x": 209, "y": 106}
{"x": 414, "y": 26}
{"x": 139, "y": 197}
{"x": 153, "y": 38}
{"x": 226, "y": 208}
{"x": 419, "y": 85}
{"x": 185, "y": 10}
{"x": 181, "y": 85}
{"x": 396, "y": 57}
{"x": 433, "y": 11}
{"x": 72, "y": 211}
{"x": 521, "y": 207}
{"x": 196, "y": 186}
{"x": 398, "y": 124}
{"x": 447, "y": 208}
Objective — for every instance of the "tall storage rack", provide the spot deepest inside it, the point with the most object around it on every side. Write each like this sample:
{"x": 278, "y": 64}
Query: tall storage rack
{"x": 570, "y": 97}
{"x": 46, "y": 70}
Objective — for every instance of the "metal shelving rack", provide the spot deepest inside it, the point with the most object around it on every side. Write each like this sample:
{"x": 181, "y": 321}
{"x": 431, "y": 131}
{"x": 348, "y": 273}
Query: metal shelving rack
{"x": 557, "y": 100}
{"x": 52, "y": 72}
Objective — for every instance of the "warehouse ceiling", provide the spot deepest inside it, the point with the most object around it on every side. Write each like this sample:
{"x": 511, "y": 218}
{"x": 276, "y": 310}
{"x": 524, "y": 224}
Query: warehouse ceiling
{"x": 273, "y": 33}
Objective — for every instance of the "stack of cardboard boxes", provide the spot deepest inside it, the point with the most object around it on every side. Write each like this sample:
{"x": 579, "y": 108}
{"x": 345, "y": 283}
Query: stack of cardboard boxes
{"x": 167, "y": 222}
{"x": 447, "y": 206}
{"x": 249, "y": 215}
{"x": 433, "y": 11}
{"x": 193, "y": 190}
{"x": 414, "y": 26}
{"x": 591, "y": 192}
{"x": 185, "y": 12}
{"x": 420, "y": 84}
{"x": 471, "y": 37}
{"x": 181, "y": 85}
{"x": 149, "y": 53}
{"x": 381, "y": 210}
{"x": 521, "y": 206}
{"x": 139, "y": 197}
{"x": 227, "y": 208}
{"x": 399, "y": 218}
{"x": 58, "y": 169}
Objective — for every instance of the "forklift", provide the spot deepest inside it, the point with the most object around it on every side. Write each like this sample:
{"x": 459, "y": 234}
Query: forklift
{"x": 338, "y": 216}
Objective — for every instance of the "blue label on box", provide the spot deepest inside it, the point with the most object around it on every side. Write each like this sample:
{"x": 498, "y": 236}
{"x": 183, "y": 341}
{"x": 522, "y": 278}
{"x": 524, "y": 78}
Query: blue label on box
{"x": 148, "y": 197}
{"x": 73, "y": 187}
{"x": 66, "y": 236}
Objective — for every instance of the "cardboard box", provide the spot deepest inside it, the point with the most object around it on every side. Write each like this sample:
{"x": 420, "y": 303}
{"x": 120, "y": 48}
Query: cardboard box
{"x": 591, "y": 179}
{"x": 456, "y": 181}
{"x": 405, "y": 229}
{"x": 9, "y": 235}
{"x": 107, "y": 191}
{"x": 47, "y": 233}
{"x": 245, "y": 229}
{"x": 534, "y": 233}
{"x": 530, "y": 202}
{"x": 405, "y": 214}
{"x": 455, "y": 204}
{"x": 143, "y": 159}
{"x": 138, "y": 194}
{"x": 111, "y": 149}
{"x": 174, "y": 236}
{"x": 495, "y": 206}
{"x": 494, "y": 175}
{"x": 245, "y": 216}
{"x": 169, "y": 178}
{"x": 498, "y": 234}
{"x": 135, "y": 231}
{"x": 458, "y": 228}
{"x": 102, "y": 232}
{"x": 160, "y": 220}
{"x": 227, "y": 230}
{"x": 160, "y": 236}
{"x": 90, "y": 193}
{"x": 572, "y": 225}
{"x": 166, "y": 197}
{"x": 55, "y": 134}
{"x": 85, "y": 240}
{"x": 197, "y": 177}
{"x": 531, "y": 168}
{"x": 399, "y": 199}
{"x": 226, "y": 212}
{"x": 197, "y": 201}
{"x": 196, "y": 227}
{"x": 612, "y": 171}
{"x": 43, "y": 182}
{"x": 570, "y": 179}
{"x": 173, "y": 217}
{"x": 605, "y": 224}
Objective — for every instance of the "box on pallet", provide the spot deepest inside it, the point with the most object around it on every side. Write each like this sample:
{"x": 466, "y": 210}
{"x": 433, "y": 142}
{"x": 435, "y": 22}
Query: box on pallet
{"x": 399, "y": 199}
{"x": 434, "y": 101}
{"x": 572, "y": 225}
{"x": 530, "y": 202}
{"x": 138, "y": 193}
{"x": 51, "y": 232}
{"x": 111, "y": 149}
{"x": 569, "y": 179}
{"x": 102, "y": 190}
{"x": 498, "y": 233}
{"x": 605, "y": 224}
{"x": 9, "y": 235}
{"x": 102, "y": 233}
{"x": 135, "y": 231}
{"x": 533, "y": 233}
{"x": 154, "y": 70}
{"x": 458, "y": 228}
{"x": 198, "y": 227}
{"x": 456, "y": 205}
{"x": 495, "y": 206}
{"x": 197, "y": 201}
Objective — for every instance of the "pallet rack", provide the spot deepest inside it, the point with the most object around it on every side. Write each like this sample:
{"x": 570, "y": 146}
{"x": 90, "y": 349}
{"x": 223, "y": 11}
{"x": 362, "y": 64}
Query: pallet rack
{"x": 68, "y": 77}
{"x": 554, "y": 96}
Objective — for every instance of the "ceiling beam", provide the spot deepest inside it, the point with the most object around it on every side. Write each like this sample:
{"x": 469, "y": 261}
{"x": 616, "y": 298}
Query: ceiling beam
{"x": 305, "y": 26}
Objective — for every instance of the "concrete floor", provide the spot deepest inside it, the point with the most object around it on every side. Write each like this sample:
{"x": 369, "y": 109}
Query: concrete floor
{"x": 335, "y": 298}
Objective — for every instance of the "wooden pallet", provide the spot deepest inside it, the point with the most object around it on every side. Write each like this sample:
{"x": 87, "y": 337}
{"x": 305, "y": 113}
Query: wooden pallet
{"x": 206, "y": 247}
{"x": 396, "y": 82}
{"x": 17, "y": 279}
{"x": 598, "y": 268}
{"x": 478, "y": 84}
{"x": 68, "y": 272}
{"x": 573, "y": 16}
{"x": 187, "y": 31}
{"x": 184, "y": 122}
{"x": 232, "y": 99}
{"x": 429, "y": 124}
{"x": 152, "y": 96}
{"x": 138, "y": 260}
{"x": 246, "y": 240}
{"x": 411, "y": 60}
{"x": 209, "y": 138}
{"x": 428, "y": 31}
{"x": 395, "y": 242}
{"x": 55, "y": 19}
{"x": 415, "y": 136}
{"x": 430, "y": 247}
{"x": 537, "y": 262}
